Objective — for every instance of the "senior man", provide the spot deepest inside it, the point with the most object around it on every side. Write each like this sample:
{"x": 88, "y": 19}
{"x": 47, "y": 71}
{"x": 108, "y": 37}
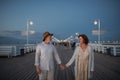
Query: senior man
{"x": 44, "y": 58}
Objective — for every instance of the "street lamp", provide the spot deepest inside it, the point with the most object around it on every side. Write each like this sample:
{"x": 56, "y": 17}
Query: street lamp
{"x": 29, "y": 22}
{"x": 97, "y": 22}
{"x": 77, "y": 34}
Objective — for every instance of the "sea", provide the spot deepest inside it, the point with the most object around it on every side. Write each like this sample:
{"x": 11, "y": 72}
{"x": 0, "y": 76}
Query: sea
{"x": 16, "y": 41}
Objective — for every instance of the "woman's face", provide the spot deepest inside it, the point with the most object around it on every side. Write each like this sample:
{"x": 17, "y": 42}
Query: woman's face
{"x": 81, "y": 40}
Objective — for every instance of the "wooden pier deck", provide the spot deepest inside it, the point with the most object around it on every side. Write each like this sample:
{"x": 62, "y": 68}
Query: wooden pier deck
{"x": 22, "y": 67}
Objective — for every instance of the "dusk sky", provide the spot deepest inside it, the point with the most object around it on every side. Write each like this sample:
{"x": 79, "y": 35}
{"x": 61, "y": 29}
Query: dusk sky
{"x": 63, "y": 17}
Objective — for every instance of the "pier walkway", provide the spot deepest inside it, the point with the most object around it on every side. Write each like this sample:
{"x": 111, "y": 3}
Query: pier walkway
{"x": 22, "y": 67}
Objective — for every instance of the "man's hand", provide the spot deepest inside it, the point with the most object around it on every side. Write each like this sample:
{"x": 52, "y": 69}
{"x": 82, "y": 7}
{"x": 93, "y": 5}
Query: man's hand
{"x": 63, "y": 67}
{"x": 38, "y": 70}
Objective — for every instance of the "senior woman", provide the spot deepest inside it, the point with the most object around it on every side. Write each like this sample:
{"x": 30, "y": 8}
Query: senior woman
{"x": 84, "y": 59}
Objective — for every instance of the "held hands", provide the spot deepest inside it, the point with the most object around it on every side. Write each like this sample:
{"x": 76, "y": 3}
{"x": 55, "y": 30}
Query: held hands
{"x": 38, "y": 70}
{"x": 63, "y": 67}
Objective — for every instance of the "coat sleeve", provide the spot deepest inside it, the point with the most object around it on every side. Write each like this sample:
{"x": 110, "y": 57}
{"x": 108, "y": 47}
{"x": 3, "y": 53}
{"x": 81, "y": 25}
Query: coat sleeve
{"x": 92, "y": 59}
{"x": 73, "y": 57}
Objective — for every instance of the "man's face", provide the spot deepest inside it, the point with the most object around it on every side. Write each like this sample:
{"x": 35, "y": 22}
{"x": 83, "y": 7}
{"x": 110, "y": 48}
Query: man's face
{"x": 49, "y": 38}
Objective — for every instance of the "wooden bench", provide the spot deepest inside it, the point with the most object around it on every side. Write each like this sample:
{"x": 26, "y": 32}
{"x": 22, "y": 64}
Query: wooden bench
{"x": 6, "y": 51}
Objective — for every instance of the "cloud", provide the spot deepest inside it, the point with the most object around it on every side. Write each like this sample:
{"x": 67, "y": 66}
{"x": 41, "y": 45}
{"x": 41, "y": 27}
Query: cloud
{"x": 97, "y": 32}
{"x": 30, "y": 32}
{"x": 16, "y": 33}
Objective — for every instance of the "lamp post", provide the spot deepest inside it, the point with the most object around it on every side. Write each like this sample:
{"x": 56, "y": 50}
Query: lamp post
{"x": 97, "y": 22}
{"x": 29, "y": 22}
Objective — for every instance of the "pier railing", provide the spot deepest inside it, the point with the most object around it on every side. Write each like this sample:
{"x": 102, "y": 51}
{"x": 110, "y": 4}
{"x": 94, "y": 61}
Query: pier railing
{"x": 110, "y": 49}
{"x": 16, "y": 50}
